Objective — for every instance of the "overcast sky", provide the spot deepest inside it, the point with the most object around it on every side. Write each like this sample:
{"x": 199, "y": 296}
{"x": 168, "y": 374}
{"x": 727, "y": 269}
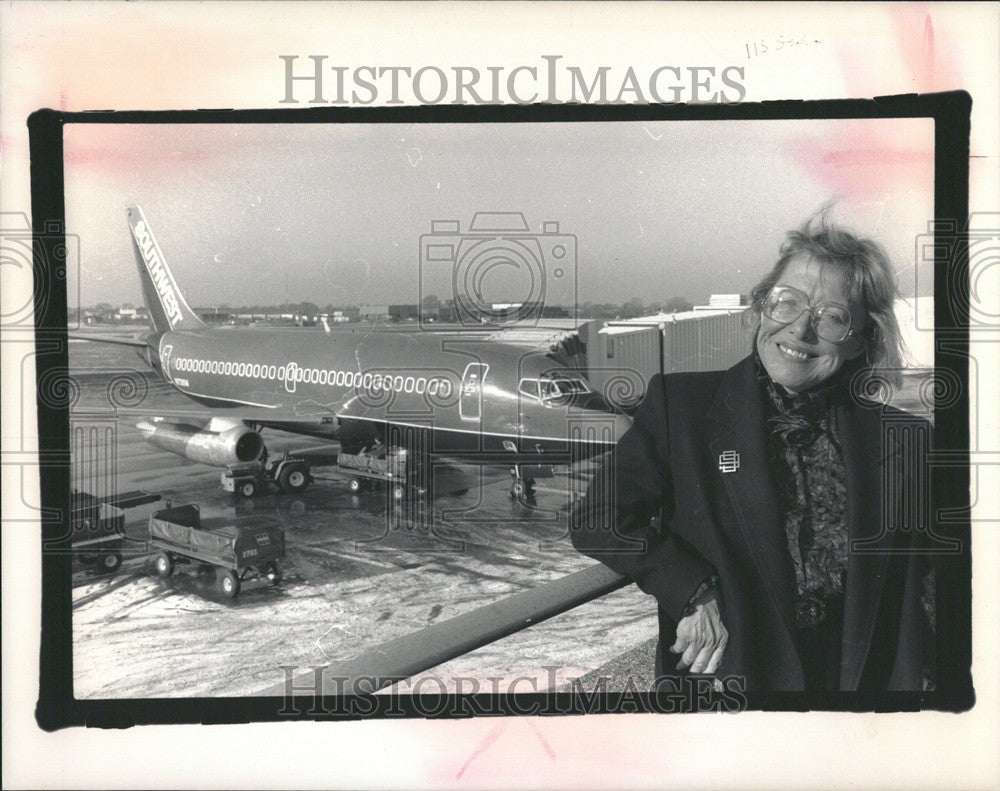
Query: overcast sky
{"x": 334, "y": 213}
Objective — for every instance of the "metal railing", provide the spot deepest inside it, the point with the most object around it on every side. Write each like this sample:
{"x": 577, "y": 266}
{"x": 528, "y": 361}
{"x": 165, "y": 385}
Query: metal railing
{"x": 399, "y": 659}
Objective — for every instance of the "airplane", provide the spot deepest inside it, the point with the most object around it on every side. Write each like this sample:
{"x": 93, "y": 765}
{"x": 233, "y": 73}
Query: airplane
{"x": 462, "y": 396}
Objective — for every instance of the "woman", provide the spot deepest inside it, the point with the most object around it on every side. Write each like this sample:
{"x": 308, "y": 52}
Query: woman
{"x": 782, "y": 553}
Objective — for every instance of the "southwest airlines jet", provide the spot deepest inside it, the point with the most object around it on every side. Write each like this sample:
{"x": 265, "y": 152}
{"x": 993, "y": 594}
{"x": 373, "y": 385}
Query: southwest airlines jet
{"x": 468, "y": 397}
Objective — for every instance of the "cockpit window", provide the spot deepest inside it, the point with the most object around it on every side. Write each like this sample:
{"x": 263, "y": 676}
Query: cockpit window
{"x": 550, "y": 389}
{"x": 530, "y": 388}
{"x": 558, "y": 387}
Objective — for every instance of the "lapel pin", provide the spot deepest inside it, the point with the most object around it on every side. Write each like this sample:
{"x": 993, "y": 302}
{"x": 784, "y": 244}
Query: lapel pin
{"x": 729, "y": 461}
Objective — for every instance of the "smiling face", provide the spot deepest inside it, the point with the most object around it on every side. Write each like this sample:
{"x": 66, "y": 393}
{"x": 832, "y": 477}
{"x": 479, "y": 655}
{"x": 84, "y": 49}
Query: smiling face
{"x": 793, "y": 355}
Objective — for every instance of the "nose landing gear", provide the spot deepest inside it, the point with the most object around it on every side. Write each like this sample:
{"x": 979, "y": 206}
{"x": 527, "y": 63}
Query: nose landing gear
{"x": 521, "y": 487}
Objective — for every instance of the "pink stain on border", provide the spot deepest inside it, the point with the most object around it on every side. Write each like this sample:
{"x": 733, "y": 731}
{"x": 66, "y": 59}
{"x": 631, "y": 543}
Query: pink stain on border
{"x": 929, "y": 45}
{"x": 545, "y": 744}
{"x": 917, "y": 40}
{"x": 493, "y": 736}
{"x": 483, "y": 746}
{"x": 868, "y": 164}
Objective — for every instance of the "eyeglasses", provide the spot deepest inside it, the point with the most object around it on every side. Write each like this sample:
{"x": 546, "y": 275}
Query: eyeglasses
{"x": 830, "y": 320}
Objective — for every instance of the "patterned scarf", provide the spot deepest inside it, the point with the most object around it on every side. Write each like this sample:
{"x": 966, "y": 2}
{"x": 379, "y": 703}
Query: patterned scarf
{"x": 798, "y": 417}
{"x": 809, "y": 472}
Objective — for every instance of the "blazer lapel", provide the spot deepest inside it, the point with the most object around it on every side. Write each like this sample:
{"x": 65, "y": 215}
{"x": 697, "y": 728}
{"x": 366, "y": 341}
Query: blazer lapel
{"x": 738, "y": 418}
{"x": 865, "y": 448}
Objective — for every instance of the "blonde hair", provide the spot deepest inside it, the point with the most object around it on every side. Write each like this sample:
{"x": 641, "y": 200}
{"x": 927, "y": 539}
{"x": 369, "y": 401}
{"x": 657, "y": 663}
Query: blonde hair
{"x": 868, "y": 277}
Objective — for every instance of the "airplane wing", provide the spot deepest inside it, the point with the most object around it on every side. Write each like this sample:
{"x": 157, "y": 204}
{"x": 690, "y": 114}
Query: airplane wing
{"x": 117, "y": 340}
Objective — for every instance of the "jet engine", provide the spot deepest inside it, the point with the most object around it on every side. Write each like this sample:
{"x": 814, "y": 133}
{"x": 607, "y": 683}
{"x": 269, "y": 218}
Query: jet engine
{"x": 217, "y": 448}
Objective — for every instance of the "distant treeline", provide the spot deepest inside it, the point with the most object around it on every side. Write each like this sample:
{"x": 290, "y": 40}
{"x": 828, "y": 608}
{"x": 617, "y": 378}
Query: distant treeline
{"x": 105, "y": 312}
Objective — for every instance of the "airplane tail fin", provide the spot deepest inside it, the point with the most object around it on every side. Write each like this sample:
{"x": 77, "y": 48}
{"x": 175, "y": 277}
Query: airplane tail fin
{"x": 168, "y": 310}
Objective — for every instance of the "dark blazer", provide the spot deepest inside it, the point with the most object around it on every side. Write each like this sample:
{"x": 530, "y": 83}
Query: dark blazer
{"x": 730, "y": 524}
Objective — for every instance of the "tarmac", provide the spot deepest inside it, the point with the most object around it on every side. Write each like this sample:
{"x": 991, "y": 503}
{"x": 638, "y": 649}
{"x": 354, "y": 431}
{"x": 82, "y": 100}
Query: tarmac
{"x": 360, "y": 570}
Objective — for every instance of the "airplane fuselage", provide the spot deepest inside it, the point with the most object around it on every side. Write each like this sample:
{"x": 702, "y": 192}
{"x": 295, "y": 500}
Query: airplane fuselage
{"x": 478, "y": 397}
{"x": 464, "y": 394}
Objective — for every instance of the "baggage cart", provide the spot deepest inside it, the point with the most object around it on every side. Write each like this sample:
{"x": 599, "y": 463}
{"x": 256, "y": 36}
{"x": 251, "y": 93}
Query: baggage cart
{"x": 367, "y": 471}
{"x": 238, "y": 554}
{"x": 98, "y": 526}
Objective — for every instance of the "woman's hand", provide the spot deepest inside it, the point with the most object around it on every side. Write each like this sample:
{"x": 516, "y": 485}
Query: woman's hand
{"x": 701, "y": 636}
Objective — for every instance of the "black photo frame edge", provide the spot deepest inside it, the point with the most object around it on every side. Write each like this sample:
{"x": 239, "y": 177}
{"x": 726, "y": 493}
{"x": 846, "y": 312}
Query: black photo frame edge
{"x": 57, "y": 708}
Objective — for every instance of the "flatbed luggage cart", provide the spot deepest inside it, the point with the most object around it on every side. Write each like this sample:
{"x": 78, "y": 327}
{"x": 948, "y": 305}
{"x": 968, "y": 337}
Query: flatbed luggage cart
{"x": 367, "y": 471}
{"x": 98, "y": 526}
{"x": 238, "y": 554}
